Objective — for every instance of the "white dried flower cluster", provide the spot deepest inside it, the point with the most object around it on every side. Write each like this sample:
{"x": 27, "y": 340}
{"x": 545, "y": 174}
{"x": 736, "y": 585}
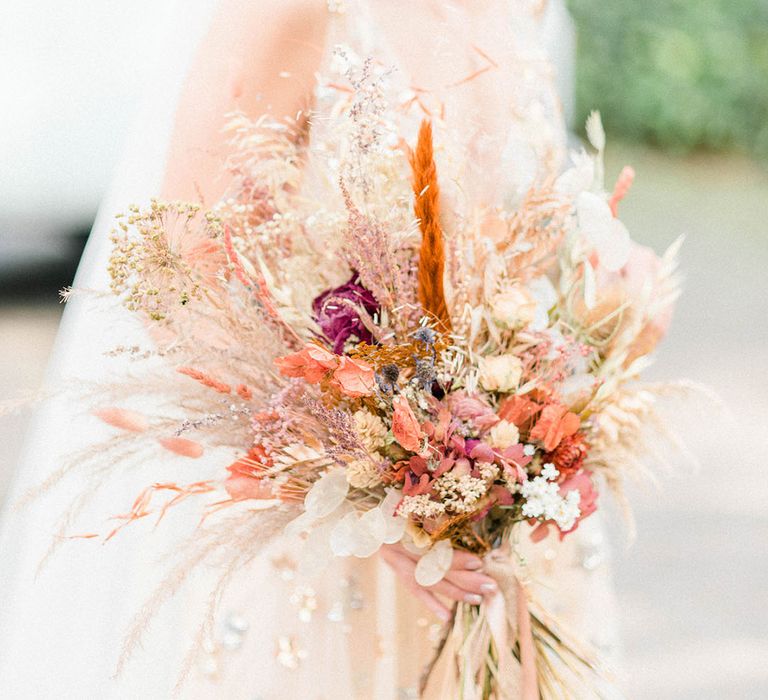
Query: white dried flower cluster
{"x": 488, "y": 471}
{"x": 370, "y": 429}
{"x": 416, "y": 397}
{"x": 543, "y": 500}
{"x": 363, "y": 474}
{"x": 549, "y": 471}
{"x": 421, "y": 507}
{"x": 504, "y": 434}
{"x": 460, "y": 494}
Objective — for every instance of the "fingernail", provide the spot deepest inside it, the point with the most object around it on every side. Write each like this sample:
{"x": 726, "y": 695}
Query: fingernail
{"x": 474, "y": 564}
{"x": 473, "y": 599}
{"x": 489, "y": 587}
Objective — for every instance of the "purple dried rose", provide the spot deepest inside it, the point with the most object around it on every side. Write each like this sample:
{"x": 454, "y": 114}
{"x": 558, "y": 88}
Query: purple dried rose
{"x": 337, "y": 312}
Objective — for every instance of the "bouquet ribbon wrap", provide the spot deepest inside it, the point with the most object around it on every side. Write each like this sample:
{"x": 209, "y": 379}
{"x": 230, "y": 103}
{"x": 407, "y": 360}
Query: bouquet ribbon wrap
{"x": 476, "y": 659}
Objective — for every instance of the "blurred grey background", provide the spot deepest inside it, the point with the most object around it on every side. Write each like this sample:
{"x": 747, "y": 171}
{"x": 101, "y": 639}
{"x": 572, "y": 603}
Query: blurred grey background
{"x": 683, "y": 89}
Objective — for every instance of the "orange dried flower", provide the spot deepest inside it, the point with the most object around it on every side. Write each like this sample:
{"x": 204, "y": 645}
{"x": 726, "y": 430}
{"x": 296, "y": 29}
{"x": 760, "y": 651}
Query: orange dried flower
{"x": 311, "y": 363}
{"x": 245, "y": 480}
{"x": 354, "y": 378}
{"x": 244, "y": 392}
{"x": 405, "y": 427}
{"x": 555, "y": 423}
{"x": 519, "y": 410}
{"x": 568, "y": 457}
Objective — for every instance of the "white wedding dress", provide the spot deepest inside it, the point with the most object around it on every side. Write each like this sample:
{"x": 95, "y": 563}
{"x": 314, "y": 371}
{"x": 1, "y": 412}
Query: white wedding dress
{"x": 350, "y": 632}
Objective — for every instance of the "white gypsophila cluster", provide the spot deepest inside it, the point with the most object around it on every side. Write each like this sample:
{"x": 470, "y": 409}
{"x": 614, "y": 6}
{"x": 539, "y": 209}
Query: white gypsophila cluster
{"x": 460, "y": 494}
{"x": 543, "y": 499}
{"x": 370, "y": 429}
{"x": 529, "y": 450}
{"x": 421, "y": 507}
{"x": 549, "y": 471}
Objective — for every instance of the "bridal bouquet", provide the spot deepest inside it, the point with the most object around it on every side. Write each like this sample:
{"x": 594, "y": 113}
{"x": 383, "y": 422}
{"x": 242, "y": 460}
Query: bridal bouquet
{"x": 384, "y": 370}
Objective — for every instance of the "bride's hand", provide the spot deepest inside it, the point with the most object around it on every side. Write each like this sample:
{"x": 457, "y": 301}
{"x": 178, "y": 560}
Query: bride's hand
{"x": 464, "y": 581}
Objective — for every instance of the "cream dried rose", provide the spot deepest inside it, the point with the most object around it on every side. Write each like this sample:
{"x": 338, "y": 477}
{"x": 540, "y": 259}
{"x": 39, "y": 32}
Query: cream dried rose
{"x": 504, "y": 434}
{"x": 513, "y": 307}
{"x": 500, "y": 373}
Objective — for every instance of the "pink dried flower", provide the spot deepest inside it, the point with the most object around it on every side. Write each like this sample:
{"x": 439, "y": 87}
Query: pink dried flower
{"x": 416, "y": 485}
{"x": 472, "y": 409}
{"x": 481, "y": 452}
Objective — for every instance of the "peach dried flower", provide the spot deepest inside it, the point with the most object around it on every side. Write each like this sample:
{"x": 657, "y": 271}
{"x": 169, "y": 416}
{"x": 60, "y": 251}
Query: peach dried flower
{"x": 405, "y": 427}
{"x": 555, "y": 423}
{"x": 311, "y": 363}
{"x": 354, "y": 378}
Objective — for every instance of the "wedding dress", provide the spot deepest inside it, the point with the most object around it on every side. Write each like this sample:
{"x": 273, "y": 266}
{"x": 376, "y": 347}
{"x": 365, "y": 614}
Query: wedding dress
{"x": 350, "y": 631}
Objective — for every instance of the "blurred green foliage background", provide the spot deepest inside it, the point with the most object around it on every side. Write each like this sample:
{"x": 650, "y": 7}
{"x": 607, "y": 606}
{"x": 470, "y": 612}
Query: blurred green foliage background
{"x": 680, "y": 74}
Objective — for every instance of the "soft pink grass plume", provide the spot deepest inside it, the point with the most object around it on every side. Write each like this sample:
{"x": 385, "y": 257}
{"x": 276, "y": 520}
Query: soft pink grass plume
{"x": 182, "y": 447}
{"x": 123, "y": 418}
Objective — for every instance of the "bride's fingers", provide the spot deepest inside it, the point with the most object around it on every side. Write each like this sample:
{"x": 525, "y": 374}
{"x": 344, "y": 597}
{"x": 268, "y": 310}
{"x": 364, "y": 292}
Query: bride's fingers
{"x": 472, "y": 582}
{"x": 452, "y": 591}
{"x": 460, "y": 585}
{"x": 465, "y": 560}
{"x": 462, "y": 561}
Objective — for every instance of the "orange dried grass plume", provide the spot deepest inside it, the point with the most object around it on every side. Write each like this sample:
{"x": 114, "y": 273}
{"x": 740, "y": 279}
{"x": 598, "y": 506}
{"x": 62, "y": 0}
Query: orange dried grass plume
{"x": 427, "y": 208}
{"x": 205, "y": 379}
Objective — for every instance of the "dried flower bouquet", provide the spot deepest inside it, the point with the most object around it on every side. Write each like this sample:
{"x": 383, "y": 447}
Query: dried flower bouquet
{"x": 384, "y": 371}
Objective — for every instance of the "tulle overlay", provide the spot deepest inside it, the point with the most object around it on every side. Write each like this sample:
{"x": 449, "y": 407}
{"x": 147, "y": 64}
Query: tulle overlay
{"x": 282, "y": 630}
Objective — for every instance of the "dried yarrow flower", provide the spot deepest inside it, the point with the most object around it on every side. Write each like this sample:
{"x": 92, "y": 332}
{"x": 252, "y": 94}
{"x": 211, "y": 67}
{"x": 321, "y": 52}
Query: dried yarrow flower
{"x": 165, "y": 257}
